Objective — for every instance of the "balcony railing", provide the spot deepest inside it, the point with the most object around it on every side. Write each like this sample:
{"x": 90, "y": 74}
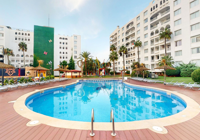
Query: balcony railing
{"x": 165, "y": 21}
{"x": 154, "y": 27}
{"x": 153, "y": 19}
{"x": 165, "y": 12}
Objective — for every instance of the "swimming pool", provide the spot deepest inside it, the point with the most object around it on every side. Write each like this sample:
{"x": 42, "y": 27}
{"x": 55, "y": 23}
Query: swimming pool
{"x": 129, "y": 103}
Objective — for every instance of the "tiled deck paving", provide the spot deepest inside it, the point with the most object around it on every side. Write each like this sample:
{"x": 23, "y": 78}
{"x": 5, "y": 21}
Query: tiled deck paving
{"x": 13, "y": 126}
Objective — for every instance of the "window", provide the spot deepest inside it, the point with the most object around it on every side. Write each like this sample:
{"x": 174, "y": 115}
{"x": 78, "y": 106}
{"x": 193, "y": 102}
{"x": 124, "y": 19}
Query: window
{"x": 75, "y": 57}
{"x": 138, "y": 32}
{"x": 75, "y": 37}
{"x": 146, "y": 43}
{"x": 145, "y": 13}
{"x": 118, "y": 31}
{"x": 146, "y": 35}
{"x": 138, "y": 18}
{"x": 22, "y": 60}
{"x": 122, "y": 34}
{"x": 194, "y": 15}
{"x": 196, "y": 50}
{"x": 138, "y": 25}
{"x": 1, "y": 28}
{"x": 146, "y": 51}
{"x": 195, "y": 39}
{"x": 15, "y": 33}
{"x": 146, "y": 58}
{"x": 176, "y": 2}
{"x": 146, "y": 20}
{"x": 75, "y": 42}
{"x": 1, "y": 34}
{"x": 178, "y": 32}
{"x": 122, "y": 40}
{"x": 28, "y": 34}
{"x": 75, "y": 52}
{"x": 65, "y": 52}
{"x": 178, "y": 43}
{"x": 178, "y": 53}
{"x": 194, "y": 3}
{"x": 177, "y": 22}
{"x": 138, "y": 38}
{"x": 66, "y": 48}
{"x": 123, "y": 29}
{"x": 118, "y": 36}
{"x": 15, "y": 38}
{"x": 145, "y": 28}
{"x": 75, "y": 47}
{"x": 195, "y": 27}
{"x": 177, "y": 12}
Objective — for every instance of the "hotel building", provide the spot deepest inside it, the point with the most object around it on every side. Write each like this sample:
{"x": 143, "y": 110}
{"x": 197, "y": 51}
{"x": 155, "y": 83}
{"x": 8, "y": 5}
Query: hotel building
{"x": 42, "y": 42}
{"x": 182, "y": 17}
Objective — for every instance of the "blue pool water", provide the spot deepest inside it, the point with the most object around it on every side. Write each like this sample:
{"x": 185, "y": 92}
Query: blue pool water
{"x": 129, "y": 103}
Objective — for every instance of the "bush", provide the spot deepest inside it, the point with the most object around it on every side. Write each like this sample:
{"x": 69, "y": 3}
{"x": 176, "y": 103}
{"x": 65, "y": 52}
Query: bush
{"x": 42, "y": 79}
{"x": 11, "y": 82}
{"x": 47, "y": 77}
{"x": 173, "y": 72}
{"x": 6, "y": 82}
{"x": 127, "y": 72}
{"x": 21, "y": 80}
{"x": 196, "y": 75}
{"x": 187, "y": 69}
{"x": 25, "y": 80}
{"x": 133, "y": 74}
{"x": 52, "y": 77}
{"x": 111, "y": 73}
{"x": 30, "y": 79}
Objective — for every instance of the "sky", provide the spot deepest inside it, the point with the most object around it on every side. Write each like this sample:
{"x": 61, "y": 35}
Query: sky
{"x": 94, "y": 20}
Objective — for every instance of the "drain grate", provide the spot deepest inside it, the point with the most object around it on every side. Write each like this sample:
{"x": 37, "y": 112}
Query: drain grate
{"x": 157, "y": 128}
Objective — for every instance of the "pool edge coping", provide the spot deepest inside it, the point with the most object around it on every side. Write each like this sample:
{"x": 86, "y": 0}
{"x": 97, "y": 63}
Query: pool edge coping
{"x": 192, "y": 110}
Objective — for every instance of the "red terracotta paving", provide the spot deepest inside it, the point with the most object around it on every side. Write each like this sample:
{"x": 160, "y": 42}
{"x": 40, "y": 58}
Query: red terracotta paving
{"x": 13, "y": 126}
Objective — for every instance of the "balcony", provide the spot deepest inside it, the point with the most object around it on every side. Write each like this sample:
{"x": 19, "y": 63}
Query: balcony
{"x": 154, "y": 27}
{"x": 166, "y": 21}
{"x": 154, "y": 19}
{"x": 165, "y": 12}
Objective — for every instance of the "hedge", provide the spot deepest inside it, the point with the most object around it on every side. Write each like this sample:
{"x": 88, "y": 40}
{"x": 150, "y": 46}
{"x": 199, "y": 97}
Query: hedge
{"x": 173, "y": 72}
{"x": 196, "y": 75}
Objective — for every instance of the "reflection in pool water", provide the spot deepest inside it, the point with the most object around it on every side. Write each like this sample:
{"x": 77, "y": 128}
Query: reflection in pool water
{"x": 128, "y": 103}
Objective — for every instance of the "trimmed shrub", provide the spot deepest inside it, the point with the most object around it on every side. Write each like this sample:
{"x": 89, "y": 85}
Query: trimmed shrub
{"x": 187, "y": 69}
{"x": 127, "y": 72}
{"x": 173, "y": 72}
{"x": 42, "y": 79}
{"x": 25, "y": 80}
{"x": 6, "y": 82}
{"x": 52, "y": 77}
{"x": 47, "y": 78}
{"x": 196, "y": 75}
{"x": 21, "y": 80}
{"x": 111, "y": 73}
{"x": 186, "y": 73}
{"x": 30, "y": 79}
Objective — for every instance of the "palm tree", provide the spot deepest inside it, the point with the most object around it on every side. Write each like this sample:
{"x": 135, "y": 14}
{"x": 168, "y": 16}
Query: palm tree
{"x": 168, "y": 60}
{"x": 86, "y": 56}
{"x": 8, "y": 52}
{"x": 138, "y": 44}
{"x": 23, "y": 47}
{"x": 122, "y": 51}
{"x": 113, "y": 48}
{"x": 166, "y": 34}
{"x": 113, "y": 57}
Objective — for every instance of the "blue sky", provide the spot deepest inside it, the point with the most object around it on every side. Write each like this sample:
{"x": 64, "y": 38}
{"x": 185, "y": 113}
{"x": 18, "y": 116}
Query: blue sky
{"x": 94, "y": 20}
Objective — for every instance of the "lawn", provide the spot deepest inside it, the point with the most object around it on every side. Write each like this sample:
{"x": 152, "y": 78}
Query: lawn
{"x": 176, "y": 79}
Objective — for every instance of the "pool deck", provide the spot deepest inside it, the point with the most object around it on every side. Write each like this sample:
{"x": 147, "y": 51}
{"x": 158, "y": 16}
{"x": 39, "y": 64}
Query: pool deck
{"x": 13, "y": 126}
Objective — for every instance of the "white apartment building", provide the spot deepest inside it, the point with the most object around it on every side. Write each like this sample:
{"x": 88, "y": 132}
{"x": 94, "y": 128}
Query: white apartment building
{"x": 183, "y": 19}
{"x": 64, "y": 48}
{"x": 10, "y": 38}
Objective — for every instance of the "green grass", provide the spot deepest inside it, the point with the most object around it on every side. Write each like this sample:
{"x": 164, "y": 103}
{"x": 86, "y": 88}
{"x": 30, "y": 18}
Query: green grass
{"x": 176, "y": 79}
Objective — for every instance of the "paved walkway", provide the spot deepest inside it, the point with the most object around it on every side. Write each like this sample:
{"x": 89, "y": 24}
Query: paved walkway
{"x": 13, "y": 126}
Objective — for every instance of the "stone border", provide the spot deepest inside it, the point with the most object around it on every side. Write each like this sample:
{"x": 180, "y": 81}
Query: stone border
{"x": 192, "y": 110}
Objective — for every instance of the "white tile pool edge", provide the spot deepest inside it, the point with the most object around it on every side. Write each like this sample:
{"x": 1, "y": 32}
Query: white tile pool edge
{"x": 190, "y": 112}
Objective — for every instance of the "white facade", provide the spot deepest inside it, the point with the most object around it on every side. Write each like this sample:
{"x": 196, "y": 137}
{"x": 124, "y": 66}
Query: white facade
{"x": 183, "y": 19}
{"x": 64, "y": 48}
{"x": 10, "y": 39}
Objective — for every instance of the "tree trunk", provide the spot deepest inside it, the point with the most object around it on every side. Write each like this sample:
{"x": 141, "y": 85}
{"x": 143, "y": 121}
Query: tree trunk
{"x": 8, "y": 59}
{"x": 24, "y": 59}
{"x": 165, "y": 48}
{"x": 114, "y": 67}
{"x": 138, "y": 55}
{"x": 85, "y": 67}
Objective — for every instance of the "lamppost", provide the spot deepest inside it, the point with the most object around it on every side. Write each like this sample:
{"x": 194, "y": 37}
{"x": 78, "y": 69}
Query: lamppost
{"x": 50, "y": 63}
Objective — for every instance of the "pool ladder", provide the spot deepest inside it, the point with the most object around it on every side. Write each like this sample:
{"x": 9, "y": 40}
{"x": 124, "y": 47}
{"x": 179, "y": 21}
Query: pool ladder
{"x": 111, "y": 120}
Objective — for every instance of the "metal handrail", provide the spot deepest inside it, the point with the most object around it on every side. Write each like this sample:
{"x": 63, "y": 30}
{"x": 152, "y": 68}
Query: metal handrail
{"x": 113, "y": 123}
{"x": 92, "y": 121}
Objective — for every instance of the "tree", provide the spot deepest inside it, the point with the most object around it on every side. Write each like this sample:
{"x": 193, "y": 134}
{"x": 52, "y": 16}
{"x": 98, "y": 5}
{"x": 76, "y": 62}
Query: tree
{"x": 63, "y": 63}
{"x": 113, "y": 48}
{"x": 113, "y": 57}
{"x": 138, "y": 44}
{"x": 8, "y": 52}
{"x": 168, "y": 60}
{"x": 71, "y": 63}
{"x": 122, "y": 51}
{"x": 35, "y": 60}
{"x": 23, "y": 47}
{"x": 86, "y": 56}
{"x": 166, "y": 34}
